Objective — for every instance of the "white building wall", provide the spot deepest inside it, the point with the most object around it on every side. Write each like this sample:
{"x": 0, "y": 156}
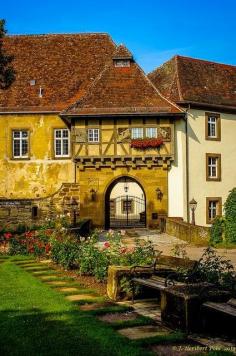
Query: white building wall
{"x": 177, "y": 175}
{"x": 199, "y": 187}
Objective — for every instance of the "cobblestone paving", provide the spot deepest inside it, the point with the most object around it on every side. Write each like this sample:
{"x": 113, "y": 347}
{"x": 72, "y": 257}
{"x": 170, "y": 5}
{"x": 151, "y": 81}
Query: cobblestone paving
{"x": 165, "y": 243}
{"x": 146, "y": 307}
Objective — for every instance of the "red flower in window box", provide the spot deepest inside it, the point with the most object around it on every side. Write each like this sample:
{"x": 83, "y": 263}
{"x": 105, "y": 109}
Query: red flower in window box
{"x": 146, "y": 143}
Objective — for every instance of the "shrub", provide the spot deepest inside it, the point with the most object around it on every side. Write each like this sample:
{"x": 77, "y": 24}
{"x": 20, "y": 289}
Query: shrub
{"x": 215, "y": 269}
{"x": 65, "y": 250}
{"x": 230, "y": 216}
{"x": 217, "y": 230}
{"x": 17, "y": 247}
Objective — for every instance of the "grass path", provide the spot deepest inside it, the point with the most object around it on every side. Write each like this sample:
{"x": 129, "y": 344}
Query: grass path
{"x": 35, "y": 319}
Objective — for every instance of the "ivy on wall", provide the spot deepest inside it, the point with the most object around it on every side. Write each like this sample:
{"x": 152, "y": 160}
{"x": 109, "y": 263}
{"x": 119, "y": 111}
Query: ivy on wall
{"x": 230, "y": 216}
{"x": 223, "y": 228}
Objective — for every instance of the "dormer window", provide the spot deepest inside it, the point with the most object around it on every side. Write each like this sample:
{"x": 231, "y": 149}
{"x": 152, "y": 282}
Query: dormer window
{"x": 122, "y": 62}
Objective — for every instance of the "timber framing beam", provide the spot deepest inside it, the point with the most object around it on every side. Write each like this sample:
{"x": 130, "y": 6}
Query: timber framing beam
{"x": 114, "y": 162}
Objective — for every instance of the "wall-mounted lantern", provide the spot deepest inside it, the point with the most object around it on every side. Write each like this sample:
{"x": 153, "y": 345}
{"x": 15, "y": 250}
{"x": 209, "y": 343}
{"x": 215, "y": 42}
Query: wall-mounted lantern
{"x": 159, "y": 194}
{"x": 74, "y": 207}
{"x": 126, "y": 186}
{"x": 93, "y": 194}
{"x": 193, "y": 206}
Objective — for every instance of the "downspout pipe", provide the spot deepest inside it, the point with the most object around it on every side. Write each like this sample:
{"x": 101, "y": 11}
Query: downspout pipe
{"x": 187, "y": 163}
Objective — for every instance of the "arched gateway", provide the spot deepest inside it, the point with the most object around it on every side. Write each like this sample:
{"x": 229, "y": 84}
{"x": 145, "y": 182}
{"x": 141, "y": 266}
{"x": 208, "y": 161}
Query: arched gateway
{"x": 125, "y": 204}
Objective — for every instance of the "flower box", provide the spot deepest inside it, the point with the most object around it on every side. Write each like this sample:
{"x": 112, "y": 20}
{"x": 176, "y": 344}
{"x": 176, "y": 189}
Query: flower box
{"x": 146, "y": 143}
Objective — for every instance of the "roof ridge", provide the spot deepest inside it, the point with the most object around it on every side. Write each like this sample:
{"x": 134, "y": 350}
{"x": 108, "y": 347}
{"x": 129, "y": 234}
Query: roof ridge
{"x": 122, "y": 51}
{"x": 58, "y": 34}
{"x": 178, "y": 78}
{"x": 205, "y": 60}
{"x": 158, "y": 92}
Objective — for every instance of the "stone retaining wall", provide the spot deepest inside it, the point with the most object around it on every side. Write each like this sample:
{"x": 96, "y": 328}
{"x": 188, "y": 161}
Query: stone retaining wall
{"x": 21, "y": 211}
{"x": 116, "y": 273}
{"x": 194, "y": 234}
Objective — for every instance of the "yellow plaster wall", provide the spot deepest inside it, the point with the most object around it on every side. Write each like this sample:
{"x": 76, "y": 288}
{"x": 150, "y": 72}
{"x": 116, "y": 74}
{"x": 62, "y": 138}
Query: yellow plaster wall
{"x": 41, "y": 174}
{"x": 100, "y": 180}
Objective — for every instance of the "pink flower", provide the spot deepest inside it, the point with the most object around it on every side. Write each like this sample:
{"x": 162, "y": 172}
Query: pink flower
{"x": 123, "y": 250}
{"x": 106, "y": 244}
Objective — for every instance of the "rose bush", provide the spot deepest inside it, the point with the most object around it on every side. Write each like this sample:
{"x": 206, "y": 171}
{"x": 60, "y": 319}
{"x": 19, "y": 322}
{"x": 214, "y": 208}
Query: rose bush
{"x": 96, "y": 257}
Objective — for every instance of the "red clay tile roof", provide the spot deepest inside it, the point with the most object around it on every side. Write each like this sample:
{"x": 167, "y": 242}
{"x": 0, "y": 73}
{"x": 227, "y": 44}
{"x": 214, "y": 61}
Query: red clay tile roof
{"x": 122, "y": 52}
{"x": 184, "y": 79}
{"x": 120, "y": 90}
{"x": 63, "y": 65}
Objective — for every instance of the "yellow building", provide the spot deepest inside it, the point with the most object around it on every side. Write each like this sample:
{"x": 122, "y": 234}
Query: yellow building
{"x": 80, "y": 119}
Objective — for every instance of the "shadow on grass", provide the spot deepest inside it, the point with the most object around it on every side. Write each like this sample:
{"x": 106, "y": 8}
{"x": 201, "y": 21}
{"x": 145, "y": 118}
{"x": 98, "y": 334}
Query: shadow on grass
{"x": 33, "y": 332}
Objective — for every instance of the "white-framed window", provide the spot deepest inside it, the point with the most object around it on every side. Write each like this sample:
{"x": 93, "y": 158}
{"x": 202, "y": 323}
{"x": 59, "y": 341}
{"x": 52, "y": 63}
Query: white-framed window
{"x": 212, "y": 126}
{"x": 62, "y": 142}
{"x": 212, "y": 167}
{"x": 122, "y": 62}
{"x": 136, "y": 132}
{"x": 212, "y": 209}
{"x": 151, "y": 132}
{"x": 93, "y": 135}
{"x": 127, "y": 206}
{"x": 20, "y": 142}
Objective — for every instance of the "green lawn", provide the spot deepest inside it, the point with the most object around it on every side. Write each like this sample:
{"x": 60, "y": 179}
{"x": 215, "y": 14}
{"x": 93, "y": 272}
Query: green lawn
{"x": 35, "y": 319}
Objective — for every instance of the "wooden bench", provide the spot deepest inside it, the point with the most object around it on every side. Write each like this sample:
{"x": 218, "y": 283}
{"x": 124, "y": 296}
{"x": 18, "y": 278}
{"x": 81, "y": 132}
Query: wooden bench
{"x": 154, "y": 282}
{"x": 220, "y": 318}
{"x": 160, "y": 276}
{"x": 227, "y": 308}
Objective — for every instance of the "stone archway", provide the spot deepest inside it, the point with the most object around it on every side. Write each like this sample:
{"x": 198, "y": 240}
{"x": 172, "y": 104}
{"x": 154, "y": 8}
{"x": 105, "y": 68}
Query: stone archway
{"x": 125, "y": 204}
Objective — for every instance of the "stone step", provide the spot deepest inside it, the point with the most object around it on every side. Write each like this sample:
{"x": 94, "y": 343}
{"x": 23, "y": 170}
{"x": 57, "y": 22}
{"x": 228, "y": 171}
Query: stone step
{"x": 146, "y": 331}
{"x": 78, "y": 297}
{"x": 68, "y": 289}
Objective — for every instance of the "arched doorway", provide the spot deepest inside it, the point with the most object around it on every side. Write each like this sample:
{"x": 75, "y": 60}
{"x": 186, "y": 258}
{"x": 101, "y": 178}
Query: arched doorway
{"x": 125, "y": 204}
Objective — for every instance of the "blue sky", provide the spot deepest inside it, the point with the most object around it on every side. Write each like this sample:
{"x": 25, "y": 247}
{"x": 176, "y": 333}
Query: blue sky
{"x": 154, "y": 30}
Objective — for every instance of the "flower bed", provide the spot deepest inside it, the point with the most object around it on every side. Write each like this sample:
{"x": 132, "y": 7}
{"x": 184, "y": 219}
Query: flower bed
{"x": 88, "y": 256}
{"x": 146, "y": 143}
{"x": 92, "y": 257}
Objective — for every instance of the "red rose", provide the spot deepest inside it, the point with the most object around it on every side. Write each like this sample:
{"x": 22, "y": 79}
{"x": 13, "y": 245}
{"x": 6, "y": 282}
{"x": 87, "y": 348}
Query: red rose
{"x": 47, "y": 248}
{"x": 7, "y": 235}
{"x": 29, "y": 234}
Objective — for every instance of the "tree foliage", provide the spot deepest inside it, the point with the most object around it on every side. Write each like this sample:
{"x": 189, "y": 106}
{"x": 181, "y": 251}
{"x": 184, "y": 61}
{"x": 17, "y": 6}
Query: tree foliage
{"x": 230, "y": 216}
{"x": 7, "y": 73}
{"x": 217, "y": 230}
